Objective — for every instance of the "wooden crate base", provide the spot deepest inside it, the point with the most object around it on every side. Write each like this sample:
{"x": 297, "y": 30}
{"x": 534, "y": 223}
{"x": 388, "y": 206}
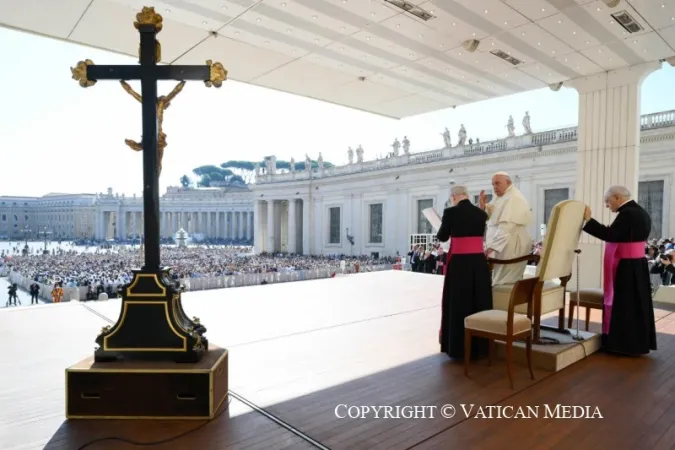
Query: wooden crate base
{"x": 147, "y": 390}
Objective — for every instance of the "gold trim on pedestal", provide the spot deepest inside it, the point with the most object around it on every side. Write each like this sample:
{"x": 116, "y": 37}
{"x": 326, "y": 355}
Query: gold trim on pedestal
{"x": 123, "y": 319}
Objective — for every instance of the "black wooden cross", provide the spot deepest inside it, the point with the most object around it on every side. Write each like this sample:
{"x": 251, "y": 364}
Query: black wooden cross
{"x": 149, "y": 23}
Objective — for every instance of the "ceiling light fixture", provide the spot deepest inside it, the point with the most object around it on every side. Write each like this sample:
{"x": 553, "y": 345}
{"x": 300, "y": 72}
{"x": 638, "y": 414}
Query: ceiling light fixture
{"x": 611, "y": 3}
{"x": 627, "y": 22}
{"x": 412, "y": 9}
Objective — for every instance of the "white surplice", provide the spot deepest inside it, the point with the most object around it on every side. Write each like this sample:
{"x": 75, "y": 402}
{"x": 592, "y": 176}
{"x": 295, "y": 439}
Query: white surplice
{"x": 507, "y": 234}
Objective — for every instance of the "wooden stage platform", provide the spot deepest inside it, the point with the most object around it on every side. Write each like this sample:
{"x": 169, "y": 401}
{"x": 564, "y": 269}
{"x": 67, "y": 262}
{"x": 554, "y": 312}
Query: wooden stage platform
{"x": 298, "y": 350}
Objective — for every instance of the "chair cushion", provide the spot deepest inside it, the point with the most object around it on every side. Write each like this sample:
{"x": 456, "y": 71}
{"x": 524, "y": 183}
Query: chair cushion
{"x": 494, "y": 321}
{"x": 552, "y": 298}
{"x": 589, "y": 296}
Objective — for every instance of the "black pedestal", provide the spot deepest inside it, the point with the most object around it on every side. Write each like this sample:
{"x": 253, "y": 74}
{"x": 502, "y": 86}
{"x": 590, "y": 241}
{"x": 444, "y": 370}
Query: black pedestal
{"x": 152, "y": 324}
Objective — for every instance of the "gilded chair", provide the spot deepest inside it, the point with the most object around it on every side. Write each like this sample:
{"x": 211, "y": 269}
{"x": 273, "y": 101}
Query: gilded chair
{"x": 507, "y": 326}
{"x": 554, "y": 268}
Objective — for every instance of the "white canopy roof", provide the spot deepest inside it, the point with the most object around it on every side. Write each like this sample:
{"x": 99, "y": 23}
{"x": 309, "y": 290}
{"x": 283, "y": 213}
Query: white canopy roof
{"x": 392, "y": 57}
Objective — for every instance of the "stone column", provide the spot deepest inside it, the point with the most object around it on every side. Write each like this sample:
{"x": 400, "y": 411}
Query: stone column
{"x": 608, "y": 151}
{"x": 270, "y": 227}
{"x": 306, "y": 250}
{"x": 258, "y": 243}
{"x": 208, "y": 232}
{"x": 217, "y": 235}
{"x": 240, "y": 233}
{"x": 291, "y": 229}
{"x": 249, "y": 228}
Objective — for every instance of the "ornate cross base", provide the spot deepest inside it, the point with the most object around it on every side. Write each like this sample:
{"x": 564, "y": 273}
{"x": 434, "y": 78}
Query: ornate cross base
{"x": 152, "y": 324}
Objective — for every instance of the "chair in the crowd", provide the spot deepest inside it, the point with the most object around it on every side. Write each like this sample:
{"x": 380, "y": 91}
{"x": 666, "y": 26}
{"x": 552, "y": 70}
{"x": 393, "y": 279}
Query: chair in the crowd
{"x": 507, "y": 326}
{"x": 554, "y": 266}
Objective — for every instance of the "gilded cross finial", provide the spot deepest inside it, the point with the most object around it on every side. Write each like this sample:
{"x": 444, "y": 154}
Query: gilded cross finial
{"x": 218, "y": 74}
{"x": 148, "y": 16}
{"x": 79, "y": 73}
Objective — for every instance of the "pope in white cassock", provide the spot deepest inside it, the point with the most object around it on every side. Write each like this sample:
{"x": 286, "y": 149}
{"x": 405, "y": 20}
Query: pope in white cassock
{"x": 507, "y": 236}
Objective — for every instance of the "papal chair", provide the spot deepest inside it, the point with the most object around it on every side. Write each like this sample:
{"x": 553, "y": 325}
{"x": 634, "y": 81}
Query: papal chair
{"x": 507, "y": 326}
{"x": 554, "y": 268}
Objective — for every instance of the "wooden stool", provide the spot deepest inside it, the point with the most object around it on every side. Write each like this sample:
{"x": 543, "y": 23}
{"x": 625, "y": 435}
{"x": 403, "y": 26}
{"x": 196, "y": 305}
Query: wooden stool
{"x": 589, "y": 299}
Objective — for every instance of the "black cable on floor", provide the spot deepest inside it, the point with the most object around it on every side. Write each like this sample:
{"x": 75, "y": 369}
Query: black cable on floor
{"x": 163, "y": 441}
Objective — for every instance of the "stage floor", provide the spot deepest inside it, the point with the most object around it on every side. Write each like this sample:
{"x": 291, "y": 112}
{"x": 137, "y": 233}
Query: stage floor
{"x": 298, "y": 350}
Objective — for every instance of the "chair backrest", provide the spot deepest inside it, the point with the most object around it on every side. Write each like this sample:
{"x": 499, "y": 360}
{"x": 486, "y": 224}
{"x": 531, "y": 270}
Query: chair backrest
{"x": 522, "y": 292}
{"x": 562, "y": 238}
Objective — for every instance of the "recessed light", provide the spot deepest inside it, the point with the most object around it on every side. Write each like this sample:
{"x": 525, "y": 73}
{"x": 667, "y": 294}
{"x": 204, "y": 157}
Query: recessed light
{"x": 460, "y": 53}
{"x": 493, "y": 43}
{"x": 316, "y": 39}
{"x": 577, "y": 67}
{"x": 315, "y": 17}
{"x": 474, "y": 34}
{"x": 553, "y": 51}
{"x": 644, "y": 51}
{"x": 634, "y": 42}
{"x": 225, "y": 7}
{"x": 267, "y": 42}
{"x": 663, "y": 6}
{"x": 398, "y": 25}
{"x": 167, "y": 10}
{"x": 422, "y": 36}
{"x": 522, "y": 34}
{"x": 599, "y": 50}
{"x": 293, "y": 51}
{"x": 543, "y": 9}
{"x": 236, "y": 33}
{"x": 538, "y": 43}
{"x": 367, "y": 38}
{"x": 610, "y": 59}
{"x": 549, "y": 74}
{"x": 574, "y": 32}
{"x": 454, "y": 24}
{"x": 411, "y": 55}
{"x": 486, "y": 11}
{"x": 506, "y": 23}
{"x": 289, "y": 30}
{"x": 431, "y": 11}
{"x": 372, "y": 13}
{"x": 599, "y": 9}
{"x": 258, "y": 19}
{"x": 611, "y": 22}
{"x": 588, "y": 42}
{"x": 204, "y": 22}
{"x": 342, "y": 48}
{"x": 560, "y": 21}
{"x": 441, "y": 45}
{"x": 565, "y": 59}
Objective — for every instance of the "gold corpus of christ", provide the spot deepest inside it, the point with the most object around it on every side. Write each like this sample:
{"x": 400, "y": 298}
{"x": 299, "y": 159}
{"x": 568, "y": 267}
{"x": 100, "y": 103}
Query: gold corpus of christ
{"x": 217, "y": 75}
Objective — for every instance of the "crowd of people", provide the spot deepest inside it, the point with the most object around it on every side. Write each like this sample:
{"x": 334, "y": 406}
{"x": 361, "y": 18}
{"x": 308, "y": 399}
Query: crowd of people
{"x": 106, "y": 270}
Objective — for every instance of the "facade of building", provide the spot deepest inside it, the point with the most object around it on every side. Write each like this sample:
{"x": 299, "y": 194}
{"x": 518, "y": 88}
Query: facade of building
{"x": 204, "y": 212}
{"x": 375, "y": 206}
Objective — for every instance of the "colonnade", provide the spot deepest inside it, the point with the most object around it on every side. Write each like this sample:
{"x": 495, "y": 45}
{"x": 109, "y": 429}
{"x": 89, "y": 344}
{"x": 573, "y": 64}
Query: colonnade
{"x": 123, "y": 224}
{"x": 282, "y": 226}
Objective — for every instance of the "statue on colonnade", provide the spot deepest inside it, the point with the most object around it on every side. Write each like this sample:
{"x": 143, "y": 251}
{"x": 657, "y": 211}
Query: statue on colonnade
{"x": 462, "y": 136}
{"x": 406, "y": 145}
{"x": 396, "y": 146}
{"x": 350, "y": 155}
{"x": 446, "y": 138}
{"x": 526, "y": 123}
{"x": 511, "y": 127}
{"x": 359, "y": 154}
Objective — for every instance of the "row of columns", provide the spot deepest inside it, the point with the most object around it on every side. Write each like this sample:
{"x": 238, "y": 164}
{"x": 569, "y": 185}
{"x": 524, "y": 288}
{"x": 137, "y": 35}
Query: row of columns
{"x": 282, "y": 226}
{"x": 212, "y": 224}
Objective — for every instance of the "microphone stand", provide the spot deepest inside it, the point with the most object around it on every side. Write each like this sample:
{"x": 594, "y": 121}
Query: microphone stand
{"x": 578, "y": 337}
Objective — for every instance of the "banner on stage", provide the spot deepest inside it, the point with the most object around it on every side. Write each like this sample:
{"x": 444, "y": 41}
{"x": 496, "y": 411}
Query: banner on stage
{"x": 433, "y": 218}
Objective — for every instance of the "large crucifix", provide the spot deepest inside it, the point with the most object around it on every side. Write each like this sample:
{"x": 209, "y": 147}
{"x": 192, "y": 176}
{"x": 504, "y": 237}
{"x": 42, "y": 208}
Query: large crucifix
{"x": 149, "y": 23}
{"x": 152, "y": 322}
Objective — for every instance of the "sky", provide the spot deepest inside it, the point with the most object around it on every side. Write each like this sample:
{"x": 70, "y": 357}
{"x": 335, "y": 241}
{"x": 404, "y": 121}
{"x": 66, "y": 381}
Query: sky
{"x": 58, "y": 137}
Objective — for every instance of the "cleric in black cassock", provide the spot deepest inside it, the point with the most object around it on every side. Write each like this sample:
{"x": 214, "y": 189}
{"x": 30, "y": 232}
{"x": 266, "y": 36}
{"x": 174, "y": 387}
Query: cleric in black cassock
{"x": 468, "y": 282}
{"x": 628, "y": 324}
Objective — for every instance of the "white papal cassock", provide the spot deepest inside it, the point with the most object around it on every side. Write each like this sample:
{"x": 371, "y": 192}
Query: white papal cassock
{"x": 507, "y": 234}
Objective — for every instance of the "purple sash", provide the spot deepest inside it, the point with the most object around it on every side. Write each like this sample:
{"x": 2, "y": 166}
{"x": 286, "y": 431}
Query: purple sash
{"x": 615, "y": 252}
